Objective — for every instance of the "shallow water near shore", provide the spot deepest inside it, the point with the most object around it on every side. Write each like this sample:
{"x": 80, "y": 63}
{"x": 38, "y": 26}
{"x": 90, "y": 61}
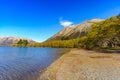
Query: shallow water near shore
{"x": 18, "y": 63}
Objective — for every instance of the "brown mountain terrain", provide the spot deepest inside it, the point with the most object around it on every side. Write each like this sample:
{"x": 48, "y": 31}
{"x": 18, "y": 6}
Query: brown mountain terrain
{"x": 75, "y": 31}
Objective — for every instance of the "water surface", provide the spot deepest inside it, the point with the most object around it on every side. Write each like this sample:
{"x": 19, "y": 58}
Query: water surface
{"x": 18, "y": 63}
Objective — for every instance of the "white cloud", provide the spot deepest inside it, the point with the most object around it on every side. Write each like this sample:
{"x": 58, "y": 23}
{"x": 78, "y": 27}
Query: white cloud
{"x": 65, "y": 23}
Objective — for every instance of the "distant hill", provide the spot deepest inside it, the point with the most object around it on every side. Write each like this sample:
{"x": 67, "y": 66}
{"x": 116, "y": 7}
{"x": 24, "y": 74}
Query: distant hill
{"x": 11, "y": 40}
{"x": 74, "y": 31}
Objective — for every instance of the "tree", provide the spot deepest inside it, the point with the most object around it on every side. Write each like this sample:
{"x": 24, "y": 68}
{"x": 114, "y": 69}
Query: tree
{"x": 25, "y": 42}
{"x": 19, "y": 42}
{"x": 22, "y": 43}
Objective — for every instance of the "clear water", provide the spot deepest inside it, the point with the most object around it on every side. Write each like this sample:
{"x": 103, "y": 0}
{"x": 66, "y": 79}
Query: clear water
{"x": 18, "y": 63}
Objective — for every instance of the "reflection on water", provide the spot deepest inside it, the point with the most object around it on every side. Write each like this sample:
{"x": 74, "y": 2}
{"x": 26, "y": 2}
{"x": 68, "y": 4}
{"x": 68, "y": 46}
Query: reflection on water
{"x": 17, "y": 63}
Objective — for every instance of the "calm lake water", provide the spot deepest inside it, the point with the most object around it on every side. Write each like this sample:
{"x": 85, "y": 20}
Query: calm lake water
{"x": 18, "y": 63}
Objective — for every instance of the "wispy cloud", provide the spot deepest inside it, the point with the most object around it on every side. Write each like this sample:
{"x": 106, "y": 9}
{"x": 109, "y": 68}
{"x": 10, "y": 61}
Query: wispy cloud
{"x": 65, "y": 23}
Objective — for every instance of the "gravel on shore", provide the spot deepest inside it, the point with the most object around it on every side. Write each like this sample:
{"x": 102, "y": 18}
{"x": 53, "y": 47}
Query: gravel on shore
{"x": 80, "y": 64}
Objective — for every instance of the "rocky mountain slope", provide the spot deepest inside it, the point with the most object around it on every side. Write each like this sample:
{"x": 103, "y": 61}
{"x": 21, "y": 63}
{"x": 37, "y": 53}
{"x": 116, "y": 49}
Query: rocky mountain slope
{"x": 75, "y": 31}
{"x": 11, "y": 40}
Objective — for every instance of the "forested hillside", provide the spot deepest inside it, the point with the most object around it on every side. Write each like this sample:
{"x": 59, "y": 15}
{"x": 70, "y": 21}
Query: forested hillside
{"x": 105, "y": 34}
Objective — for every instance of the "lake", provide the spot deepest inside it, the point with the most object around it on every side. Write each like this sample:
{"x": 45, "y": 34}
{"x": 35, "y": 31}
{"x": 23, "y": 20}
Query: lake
{"x": 18, "y": 63}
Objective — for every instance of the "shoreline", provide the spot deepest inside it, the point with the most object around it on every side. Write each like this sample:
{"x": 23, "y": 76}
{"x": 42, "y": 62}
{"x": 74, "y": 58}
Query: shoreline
{"x": 80, "y": 64}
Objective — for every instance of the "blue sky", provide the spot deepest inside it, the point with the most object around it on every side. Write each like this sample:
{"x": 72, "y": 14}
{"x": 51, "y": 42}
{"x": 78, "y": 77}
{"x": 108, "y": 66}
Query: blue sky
{"x": 40, "y": 19}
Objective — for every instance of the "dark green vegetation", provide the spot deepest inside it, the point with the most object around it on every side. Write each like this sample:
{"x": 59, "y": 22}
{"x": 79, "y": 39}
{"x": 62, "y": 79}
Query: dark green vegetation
{"x": 104, "y": 34}
{"x": 21, "y": 42}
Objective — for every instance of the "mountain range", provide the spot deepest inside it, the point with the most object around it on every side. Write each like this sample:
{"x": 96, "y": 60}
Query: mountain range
{"x": 92, "y": 34}
{"x": 70, "y": 32}
{"x": 11, "y": 40}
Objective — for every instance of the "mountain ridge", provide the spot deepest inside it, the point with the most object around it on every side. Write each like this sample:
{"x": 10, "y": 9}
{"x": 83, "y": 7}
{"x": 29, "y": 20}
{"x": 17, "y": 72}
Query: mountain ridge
{"x": 11, "y": 40}
{"x": 76, "y": 31}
